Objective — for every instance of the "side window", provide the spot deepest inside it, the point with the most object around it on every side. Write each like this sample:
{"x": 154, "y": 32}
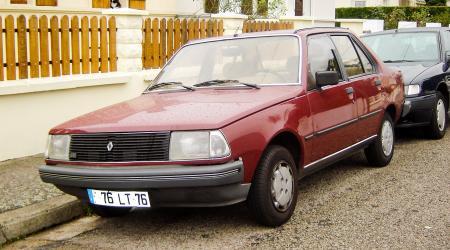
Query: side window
{"x": 447, "y": 40}
{"x": 320, "y": 58}
{"x": 368, "y": 67}
{"x": 350, "y": 59}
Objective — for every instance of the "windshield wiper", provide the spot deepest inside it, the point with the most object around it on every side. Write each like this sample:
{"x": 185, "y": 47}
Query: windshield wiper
{"x": 162, "y": 84}
{"x": 220, "y": 82}
{"x": 397, "y": 61}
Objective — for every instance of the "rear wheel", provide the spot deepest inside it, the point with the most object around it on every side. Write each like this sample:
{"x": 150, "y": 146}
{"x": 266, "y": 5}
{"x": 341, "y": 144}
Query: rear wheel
{"x": 273, "y": 194}
{"x": 105, "y": 211}
{"x": 380, "y": 152}
{"x": 439, "y": 117}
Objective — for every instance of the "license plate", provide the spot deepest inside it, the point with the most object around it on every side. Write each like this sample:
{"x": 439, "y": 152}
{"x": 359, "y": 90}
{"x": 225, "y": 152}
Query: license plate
{"x": 119, "y": 198}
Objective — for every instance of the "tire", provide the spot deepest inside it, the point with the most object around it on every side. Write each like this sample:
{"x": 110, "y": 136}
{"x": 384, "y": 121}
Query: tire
{"x": 376, "y": 154}
{"x": 108, "y": 212}
{"x": 439, "y": 117}
{"x": 271, "y": 208}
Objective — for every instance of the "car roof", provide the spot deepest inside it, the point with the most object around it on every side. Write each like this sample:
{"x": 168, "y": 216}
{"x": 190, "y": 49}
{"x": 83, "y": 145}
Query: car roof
{"x": 304, "y": 31}
{"x": 408, "y": 30}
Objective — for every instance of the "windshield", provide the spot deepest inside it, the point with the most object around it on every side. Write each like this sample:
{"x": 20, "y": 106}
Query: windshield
{"x": 251, "y": 61}
{"x": 405, "y": 47}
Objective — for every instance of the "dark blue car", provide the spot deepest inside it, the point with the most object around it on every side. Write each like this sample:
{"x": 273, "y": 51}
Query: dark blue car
{"x": 423, "y": 56}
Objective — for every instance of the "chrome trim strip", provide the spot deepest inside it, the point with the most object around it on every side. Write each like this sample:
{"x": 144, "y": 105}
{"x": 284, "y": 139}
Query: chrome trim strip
{"x": 324, "y": 131}
{"x": 341, "y": 151}
{"x": 308, "y": 137}
{"x": 370, "y": 114}
{"x": 337, "y": 126}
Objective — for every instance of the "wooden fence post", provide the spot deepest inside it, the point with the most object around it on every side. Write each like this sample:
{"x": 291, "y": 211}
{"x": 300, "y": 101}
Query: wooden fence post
{"x": 34, "y": 47}
{"x": 10, "y": 48}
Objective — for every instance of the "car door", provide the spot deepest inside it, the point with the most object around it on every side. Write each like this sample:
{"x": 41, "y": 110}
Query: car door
{"x": 332, "y": 107}
{"x": 366, "y": 82}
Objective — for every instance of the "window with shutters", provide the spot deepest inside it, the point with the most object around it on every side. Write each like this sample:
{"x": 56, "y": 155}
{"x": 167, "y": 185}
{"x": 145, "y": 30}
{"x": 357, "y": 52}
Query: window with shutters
{"x": 19, "y": 1}
{"x": 137, "y": 4}
{"x": 104, "y": 4}
{"x": 47, "y": 2}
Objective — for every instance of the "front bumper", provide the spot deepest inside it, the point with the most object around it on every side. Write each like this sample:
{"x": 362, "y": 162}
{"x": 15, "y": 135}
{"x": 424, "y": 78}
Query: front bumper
{"x": 170, "y": 185}
{"x": 417, "y": 111}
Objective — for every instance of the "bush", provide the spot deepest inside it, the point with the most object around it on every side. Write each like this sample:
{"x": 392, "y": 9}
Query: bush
{"x": 392, "y": 15}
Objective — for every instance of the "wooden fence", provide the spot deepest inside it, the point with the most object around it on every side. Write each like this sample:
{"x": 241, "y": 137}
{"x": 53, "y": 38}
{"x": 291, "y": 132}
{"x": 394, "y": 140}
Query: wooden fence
{"x": 26, "y": 46}
{"x": 163, "y": 37}
{"x": 255, "y": 26}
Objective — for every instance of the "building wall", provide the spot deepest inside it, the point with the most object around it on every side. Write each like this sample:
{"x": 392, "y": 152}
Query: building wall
{"x": 181, "y": 7}
{"x": 320, "y": 9}
{"x": 371, "y": 3}
{"x": 29, "y": 111}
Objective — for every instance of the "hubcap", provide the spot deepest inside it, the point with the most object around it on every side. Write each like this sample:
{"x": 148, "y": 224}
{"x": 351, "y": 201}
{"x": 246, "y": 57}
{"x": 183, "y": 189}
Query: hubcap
{"x": 282, "y": 188}
{"x": 440, "y": 116}
{"x": 387, "y": 138}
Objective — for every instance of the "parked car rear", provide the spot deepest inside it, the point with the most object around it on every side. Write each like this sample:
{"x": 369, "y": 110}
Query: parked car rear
{"x": 423, "y": 56}
{"x": 232, "y": 119}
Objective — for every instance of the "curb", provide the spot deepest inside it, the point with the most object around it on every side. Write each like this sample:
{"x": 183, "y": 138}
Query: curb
{"x": 23, "y": 221}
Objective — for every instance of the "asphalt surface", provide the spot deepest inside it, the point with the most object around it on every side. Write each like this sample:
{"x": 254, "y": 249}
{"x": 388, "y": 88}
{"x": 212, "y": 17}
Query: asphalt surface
{"x": 348, "y": 205}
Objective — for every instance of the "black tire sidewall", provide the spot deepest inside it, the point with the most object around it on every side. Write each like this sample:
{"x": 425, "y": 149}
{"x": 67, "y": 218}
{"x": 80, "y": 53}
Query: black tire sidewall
{"x": 374, "y": 153}
{"x": 260, "y": 198}
{"x": 435, "y": 133}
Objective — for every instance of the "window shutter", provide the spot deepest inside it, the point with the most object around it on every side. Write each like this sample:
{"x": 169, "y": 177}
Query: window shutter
{"x": 104, "y": 4}
{"x": 137, "y": 4}
{"x": 47, "y": 2}
{"x": 19, "y": 1}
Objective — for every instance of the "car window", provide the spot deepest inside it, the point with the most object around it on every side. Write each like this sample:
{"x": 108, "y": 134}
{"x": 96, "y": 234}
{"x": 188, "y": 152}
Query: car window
{"x": 350, "y": 59}
{"x": 260, "y": 60}
{"x": 447, "y": 40}
{"x": 320, "y": 58}
{"x": 368, "y": 67}
{"x": 405, "y": 46}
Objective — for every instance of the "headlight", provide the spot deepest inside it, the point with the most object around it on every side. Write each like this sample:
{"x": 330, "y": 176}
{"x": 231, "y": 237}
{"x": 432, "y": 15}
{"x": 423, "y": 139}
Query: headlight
{"x": 198, "y": 145}
{"x": 413, "y": 89}
{"x": 58, "y": 147}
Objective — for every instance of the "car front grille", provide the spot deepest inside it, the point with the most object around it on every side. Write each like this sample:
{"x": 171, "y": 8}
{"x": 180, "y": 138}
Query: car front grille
{"x": 123, "y": 147}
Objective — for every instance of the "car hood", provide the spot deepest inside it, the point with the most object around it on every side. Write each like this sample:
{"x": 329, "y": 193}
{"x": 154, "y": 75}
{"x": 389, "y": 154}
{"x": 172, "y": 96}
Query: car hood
{"x": 412, "y": 71}
{"x": 182, "y": 110}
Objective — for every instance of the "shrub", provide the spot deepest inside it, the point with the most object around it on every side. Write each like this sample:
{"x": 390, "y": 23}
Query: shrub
{"x": 392, "y": 15}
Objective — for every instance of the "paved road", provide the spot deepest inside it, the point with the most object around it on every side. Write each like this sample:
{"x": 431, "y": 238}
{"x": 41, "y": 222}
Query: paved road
{"x": 349, "y": 205}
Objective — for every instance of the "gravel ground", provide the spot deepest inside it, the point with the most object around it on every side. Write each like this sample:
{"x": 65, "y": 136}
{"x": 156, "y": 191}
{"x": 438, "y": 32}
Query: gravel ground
{"x": 20, "y": 184}
{"x": 348, "y": 205}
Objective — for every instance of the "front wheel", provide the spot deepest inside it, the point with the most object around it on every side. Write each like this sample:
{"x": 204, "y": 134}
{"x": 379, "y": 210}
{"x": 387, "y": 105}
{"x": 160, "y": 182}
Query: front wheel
{"x": 380, "y": 152}
{"x": 273, "y": 194}
{"x": 107, "y": 212}
{"x": 436, "y": 130}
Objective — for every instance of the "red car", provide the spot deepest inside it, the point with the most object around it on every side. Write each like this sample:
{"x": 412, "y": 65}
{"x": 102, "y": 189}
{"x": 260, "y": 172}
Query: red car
{"x": 232, "y": 119}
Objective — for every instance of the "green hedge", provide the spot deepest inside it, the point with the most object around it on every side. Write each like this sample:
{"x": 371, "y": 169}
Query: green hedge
{"x": 392, "y": 15}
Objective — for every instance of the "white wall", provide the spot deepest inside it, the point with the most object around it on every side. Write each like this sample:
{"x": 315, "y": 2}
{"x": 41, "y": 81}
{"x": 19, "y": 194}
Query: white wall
{"x": 369, "y": 3}
{"x": 319, "y": 9}
{"x": 182, "y": 7}
{"x": 30, "y": 108}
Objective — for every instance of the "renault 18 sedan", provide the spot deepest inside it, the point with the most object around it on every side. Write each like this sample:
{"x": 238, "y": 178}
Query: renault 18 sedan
{"x": 232, "y": 119}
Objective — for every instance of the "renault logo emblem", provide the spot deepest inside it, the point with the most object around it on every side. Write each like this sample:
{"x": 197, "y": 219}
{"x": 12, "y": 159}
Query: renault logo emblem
{"x": 110, "y": 146}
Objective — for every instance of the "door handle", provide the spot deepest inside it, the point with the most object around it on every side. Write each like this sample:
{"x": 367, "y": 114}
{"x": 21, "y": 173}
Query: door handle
{"x": 378, "y": 82}
{"x": 349, "y": 90}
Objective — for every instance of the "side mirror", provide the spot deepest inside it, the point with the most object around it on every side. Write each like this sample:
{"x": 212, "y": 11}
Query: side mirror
{"x": 447, "y": 57}
{"x": 324, "y": 78}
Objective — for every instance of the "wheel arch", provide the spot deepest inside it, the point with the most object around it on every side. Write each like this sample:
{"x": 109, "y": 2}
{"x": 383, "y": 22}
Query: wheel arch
{"x": 443, "y": 89}
{"x": 392, "y": 112}
{"x": 291, "y": 141}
